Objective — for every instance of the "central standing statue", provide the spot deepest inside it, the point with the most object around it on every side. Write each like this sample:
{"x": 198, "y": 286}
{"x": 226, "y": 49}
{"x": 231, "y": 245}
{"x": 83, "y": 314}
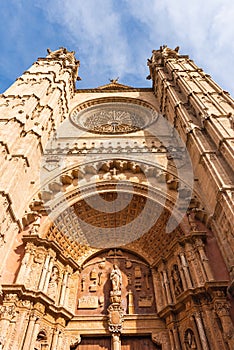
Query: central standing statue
{"x": 116, "y": 279}
{"x": 115, "y": 310}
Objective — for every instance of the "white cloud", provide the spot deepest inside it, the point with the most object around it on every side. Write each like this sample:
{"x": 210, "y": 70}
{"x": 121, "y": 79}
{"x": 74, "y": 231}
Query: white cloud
{"x": 103, "y": 32}
{"x": 94, "y": 29}
{"x": 114, "y": 38}
{"x": 203, "y": 29}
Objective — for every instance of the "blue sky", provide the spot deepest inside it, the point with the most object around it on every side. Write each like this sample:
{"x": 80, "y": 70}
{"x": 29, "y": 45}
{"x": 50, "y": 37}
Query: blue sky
{"x": 115, "y": 37}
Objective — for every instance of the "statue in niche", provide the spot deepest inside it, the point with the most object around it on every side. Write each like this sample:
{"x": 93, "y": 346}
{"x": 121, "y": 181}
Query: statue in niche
{"x": 116, "y": 279}
{"x": 36, "y": 225}
{"x": 175, "y": 275}
{"x": 189, "y": 340}
{"x": 53, "y": 283}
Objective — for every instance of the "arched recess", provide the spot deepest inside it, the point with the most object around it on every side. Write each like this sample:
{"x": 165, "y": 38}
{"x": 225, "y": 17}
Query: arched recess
{"x": 143, "y": 215}
{"x": 154, "y": 182}
{"x": 95, "y": 283}
{"x": 156, "y": 186}
{"x": 141, "y": 323}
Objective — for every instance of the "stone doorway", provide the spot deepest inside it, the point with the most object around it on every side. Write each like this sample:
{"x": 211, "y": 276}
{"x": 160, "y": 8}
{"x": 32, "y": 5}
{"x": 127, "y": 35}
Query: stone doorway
{"x": 127, "y": 343}
{"x": 138, "y": 343}
{"x": 95, "y": 343}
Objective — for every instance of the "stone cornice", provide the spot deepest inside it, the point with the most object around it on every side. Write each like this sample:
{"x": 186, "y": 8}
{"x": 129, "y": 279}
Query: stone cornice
{"x": 35, "y": 297}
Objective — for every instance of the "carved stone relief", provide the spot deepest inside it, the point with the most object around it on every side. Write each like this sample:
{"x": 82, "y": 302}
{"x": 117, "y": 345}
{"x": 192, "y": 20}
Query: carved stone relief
{"x": 115, "y": 277}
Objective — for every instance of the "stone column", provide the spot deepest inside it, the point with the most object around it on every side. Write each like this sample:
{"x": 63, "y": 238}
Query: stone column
{"x": 21, "y": 329}
{"x": 48, "y": 273}
{"x": 7, "y": 313}
{"x": 157, "y": 289}
{"x": 10, "y": 334}
{"x": 186, "y": 270}
{"x": 34, "y": 335}
{"x": 172, "y": 341}
{"x": 63, "y": 289}
{"x": 176, "y": 338}
{"x": 195, "y": 266}
{"x": 167, "y": 287}
{"x": 215, "y": 335}
{"x": 60, "y": 339}
{"x": 131, "y": 309}
{"x": 4, "y": 322}
{"x": 59, "y": 289}
{"x": 201, "y": 331}
{"x": 182, "y": 276}
{"x": 116, "y": 342}
{"x": 29, "y": 332}
{"x": 222, "y": 310}
{"x": 55, "y": 339}
{"x": 44, "y": 272}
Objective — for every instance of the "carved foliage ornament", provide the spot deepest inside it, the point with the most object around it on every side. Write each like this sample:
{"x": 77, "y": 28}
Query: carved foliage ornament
{"x": 113, "y": 118}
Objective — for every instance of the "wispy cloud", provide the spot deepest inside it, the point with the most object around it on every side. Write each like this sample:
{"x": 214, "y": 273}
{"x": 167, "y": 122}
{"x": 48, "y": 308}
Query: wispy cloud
{"x": 95, "y": 31}
{"x": 203, "y": 29}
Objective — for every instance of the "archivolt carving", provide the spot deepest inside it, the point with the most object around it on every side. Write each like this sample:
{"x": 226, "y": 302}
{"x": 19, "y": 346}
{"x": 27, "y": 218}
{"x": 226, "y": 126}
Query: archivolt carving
{"x": 149, "y": 175}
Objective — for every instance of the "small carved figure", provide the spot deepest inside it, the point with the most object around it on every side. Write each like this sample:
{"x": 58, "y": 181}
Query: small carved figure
{"x": 190, "y": 340}
{"x": 53, "y": 284}
{"x": 35, "y": 220}
{"x": 83, "y": 279}
{"x": 75, "y": 341}
{"x": 116, "y": 279}
{"x": 176, "y": 280}
{"x": 93, "y": 274}
{"x": 100, "y": 278}
{"x": 114, "y": 80}
{"x": 137, "y": 272}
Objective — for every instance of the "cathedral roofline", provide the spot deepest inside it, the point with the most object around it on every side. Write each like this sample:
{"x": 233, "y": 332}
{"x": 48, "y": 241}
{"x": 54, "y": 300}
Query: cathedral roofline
{"x": 128, "y": 89}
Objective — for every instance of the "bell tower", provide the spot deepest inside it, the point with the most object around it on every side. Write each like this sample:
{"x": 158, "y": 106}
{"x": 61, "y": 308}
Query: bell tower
{"x": 203, "y": 115}
{"x": 116, "y": 210}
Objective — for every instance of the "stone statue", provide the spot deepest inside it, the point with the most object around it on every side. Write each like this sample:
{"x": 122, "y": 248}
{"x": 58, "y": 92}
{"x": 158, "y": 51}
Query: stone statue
{"x": 114, "y": 81}
{"x": 176, "y": 280}
{"x": 190, "y": 340}
{"x": 53, "y": 283}
{"x": 116, "y": 279}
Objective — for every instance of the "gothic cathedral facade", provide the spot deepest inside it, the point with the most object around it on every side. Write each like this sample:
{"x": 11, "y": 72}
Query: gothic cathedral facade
{"x": 116, "y": 220}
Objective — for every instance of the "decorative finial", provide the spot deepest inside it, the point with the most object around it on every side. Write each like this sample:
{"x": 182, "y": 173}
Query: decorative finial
{"x": 114, "y": 80}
